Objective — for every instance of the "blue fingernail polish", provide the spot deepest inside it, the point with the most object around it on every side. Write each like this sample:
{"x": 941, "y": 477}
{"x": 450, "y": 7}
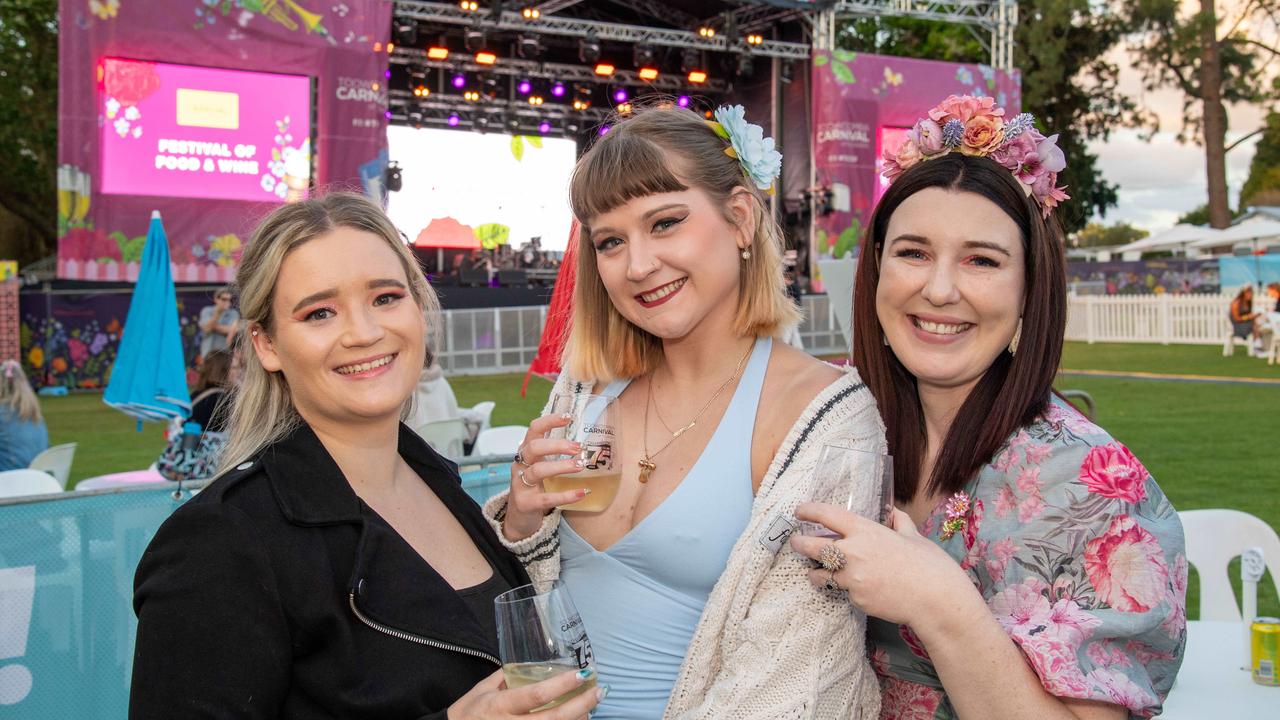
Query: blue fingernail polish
{"x": 603, "y": 691}
{"x": 586, "y": 673}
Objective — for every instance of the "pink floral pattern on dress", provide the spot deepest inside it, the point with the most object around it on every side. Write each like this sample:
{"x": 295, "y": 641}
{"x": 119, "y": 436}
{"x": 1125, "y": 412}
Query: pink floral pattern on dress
{"x": 1113, "y": 472}
{"x": 1081, "y": 560}
{"x": 902, "y": 700}
{"x": 1127, "y": 567}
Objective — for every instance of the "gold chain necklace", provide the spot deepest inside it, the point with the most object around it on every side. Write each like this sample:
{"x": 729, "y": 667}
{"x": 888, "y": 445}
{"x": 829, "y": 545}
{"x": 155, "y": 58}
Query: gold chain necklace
{"x": 647, "y": 466}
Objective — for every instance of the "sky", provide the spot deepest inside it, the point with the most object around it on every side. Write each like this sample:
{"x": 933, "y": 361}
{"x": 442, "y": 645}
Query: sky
{"x": 1162, "y": 179}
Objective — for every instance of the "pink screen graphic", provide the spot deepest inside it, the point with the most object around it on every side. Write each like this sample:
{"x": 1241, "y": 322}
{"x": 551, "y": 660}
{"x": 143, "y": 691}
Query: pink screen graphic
{"x": 181, "y": 131}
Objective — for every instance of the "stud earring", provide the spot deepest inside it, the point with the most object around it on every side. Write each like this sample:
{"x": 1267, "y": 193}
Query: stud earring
{"x": 746, "y": 254}
{"x": 254, "y": 333}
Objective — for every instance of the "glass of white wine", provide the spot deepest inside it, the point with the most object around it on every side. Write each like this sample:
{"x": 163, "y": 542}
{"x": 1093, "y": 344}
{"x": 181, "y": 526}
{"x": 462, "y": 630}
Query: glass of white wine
{"x": 593, "y": 425}
{"x": 859, "y": 481}
{"x": 541, "y": 635}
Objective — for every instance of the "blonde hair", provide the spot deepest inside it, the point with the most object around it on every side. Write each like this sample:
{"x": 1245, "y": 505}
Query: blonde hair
{"x": 16, "y": 393}
{"x": 662, "y": 149}
{"x": 262, "y": 410}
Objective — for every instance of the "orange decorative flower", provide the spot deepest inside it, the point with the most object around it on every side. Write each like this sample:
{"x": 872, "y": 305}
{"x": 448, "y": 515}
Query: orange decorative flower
{"x": 982, "y": 135}
{"x": 59, "y": 365}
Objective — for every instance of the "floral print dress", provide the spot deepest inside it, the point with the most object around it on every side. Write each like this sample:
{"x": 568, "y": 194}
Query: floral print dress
{"x": 1079, "y": 556}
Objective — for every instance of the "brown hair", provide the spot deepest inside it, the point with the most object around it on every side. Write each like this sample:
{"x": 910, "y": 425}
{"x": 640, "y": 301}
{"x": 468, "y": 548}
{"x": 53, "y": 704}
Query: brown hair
{"x": 262, "y": 410}
{"x": 1015, "y": 389}
{"x": 214, "y": 370}
{"x": 660, "y": 149}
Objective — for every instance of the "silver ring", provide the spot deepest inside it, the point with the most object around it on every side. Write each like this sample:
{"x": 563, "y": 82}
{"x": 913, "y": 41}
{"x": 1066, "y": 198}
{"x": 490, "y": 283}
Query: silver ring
{"x": 520, "y": 474}
{"x": 832, "y": 558}
{"x": 520, "y": 456}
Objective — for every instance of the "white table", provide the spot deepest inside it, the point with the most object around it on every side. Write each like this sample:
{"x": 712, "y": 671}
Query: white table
{"x": 123, "y": 479}
{"x": 1211, "y": 684}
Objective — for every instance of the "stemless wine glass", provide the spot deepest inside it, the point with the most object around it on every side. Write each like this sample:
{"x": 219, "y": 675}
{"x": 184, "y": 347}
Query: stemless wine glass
{"x": 859, "y": 481}
{"x": 593, "y": 425}
{"x": 541, "y": 635}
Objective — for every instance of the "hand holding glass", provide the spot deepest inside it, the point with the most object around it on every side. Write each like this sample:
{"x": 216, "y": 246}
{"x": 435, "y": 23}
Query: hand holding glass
{"x": 593, "y": 425}
{"x": 858, "y": 481}
{"x": 540, "y": 636}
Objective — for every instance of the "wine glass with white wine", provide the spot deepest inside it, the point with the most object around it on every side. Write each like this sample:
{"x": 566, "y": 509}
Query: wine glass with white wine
{"x": 594, "y": 426}
{"x": 540, "y": 636}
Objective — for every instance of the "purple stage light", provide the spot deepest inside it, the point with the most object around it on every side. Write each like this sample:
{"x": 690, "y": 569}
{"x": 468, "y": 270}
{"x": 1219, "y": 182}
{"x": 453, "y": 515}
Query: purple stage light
{"x": 525, "y": 87}
{"x": 620, "y": 95}
{"x": 388, "y": 114}
{"x": 544, "y": 127}
{"x": 558, "y": 90}
{"x": 388, "y": 74}
{"x": 454, "y": 120}
{"x": 459, "y": 80}
{"x": 604, "y": 129}
{"x": 683, "y": 101}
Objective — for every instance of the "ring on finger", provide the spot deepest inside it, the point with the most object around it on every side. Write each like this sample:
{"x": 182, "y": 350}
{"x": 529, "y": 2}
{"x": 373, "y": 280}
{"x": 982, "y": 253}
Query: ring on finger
{"x": 520, "y": 457}
{"x": 830, "y": 585}
{"x": 520, "y": 474}
{"x": 832, "y": 558}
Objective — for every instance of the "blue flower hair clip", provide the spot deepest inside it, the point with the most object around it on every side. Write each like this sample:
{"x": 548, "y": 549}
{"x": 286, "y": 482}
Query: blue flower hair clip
{"x": 760, "y": 161}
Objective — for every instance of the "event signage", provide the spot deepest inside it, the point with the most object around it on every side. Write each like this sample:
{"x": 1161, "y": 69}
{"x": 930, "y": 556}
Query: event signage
{"x": 183, "y": 131}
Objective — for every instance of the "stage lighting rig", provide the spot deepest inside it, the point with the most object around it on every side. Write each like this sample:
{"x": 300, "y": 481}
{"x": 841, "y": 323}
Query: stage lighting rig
{"x": 406, "y": 33}
{"x": 690, "y": 59}
{"x": 647, "y": 73}
{"x": 530, "y": 13}
{"x": 642, "y": 56}
{"x": 589, "y": 49}
{"x": 528, "y": 46}
{"x": 697, "y": 77}
{"x": 394, "y": 178}
{"x": 485, "y": 57}
{"x": 706, "y": 32}
{"x": 745, "y": 66}
{"x": 469, "y": 5}
{"x": 604, "y": 69}
{"x": 437, "y": 52}
{"x": 473, "y": 40}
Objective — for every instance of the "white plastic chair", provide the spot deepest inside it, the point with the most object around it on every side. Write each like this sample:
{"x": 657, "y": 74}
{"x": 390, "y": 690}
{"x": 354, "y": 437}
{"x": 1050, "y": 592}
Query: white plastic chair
{"x": 16, "y": 483}
{"x": 1216, "y": 537}
{"x": 501, "y": 440}
{"x": 1229, "y": 345}
{"x": 56, "y": 461}
{"x": 446, "y": 436}
{"x": 480, "y": 414}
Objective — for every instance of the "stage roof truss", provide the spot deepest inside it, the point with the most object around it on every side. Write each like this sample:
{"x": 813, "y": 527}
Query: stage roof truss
{"x": 563, "y": 72}
{"x": 997, "y": 17}
{"x": 451, "y": 14}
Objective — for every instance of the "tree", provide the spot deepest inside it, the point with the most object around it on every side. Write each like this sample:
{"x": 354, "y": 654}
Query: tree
{"x": 1213, "y": 59}
{"x": 1060, "y": 47}
{"x": 1263, "y": 185}
{"x": 29, "y": 118}
{"x": 1098, "y": 235}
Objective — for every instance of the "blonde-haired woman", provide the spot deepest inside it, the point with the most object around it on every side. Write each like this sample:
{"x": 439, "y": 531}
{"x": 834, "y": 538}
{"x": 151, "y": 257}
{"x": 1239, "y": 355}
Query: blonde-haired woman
{"x": 692, "y": 610}
{"x": 336, "y": 569}
{"x": 23, "y": 434}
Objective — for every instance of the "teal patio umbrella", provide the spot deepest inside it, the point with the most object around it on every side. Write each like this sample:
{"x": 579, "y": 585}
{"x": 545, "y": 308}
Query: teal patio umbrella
{"x": 149, "y": 379}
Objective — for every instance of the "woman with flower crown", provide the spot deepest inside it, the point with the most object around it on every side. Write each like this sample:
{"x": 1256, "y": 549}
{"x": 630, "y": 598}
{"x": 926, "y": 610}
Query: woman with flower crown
{"x": 1034, "y": 568}
{"x": 694, "y": 607}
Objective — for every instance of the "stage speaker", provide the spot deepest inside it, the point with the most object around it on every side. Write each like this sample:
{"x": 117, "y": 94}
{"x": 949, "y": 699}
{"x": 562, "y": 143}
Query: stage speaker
{"x": 512, "y": 278}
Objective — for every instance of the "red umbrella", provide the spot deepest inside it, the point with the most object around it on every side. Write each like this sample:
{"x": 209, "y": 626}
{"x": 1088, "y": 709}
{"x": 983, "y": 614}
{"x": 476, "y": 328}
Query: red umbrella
{"x": 556, "y": 330}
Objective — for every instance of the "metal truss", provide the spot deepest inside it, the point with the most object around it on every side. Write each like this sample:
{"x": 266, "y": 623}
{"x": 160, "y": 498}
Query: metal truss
{"x": 451, "y": 14}
{"x": 555, "y": 71}
{"x": 436, "y": 110}
{"x": 998, "y": 17}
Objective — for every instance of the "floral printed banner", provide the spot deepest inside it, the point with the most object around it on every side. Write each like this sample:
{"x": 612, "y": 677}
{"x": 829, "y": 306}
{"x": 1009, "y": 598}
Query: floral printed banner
{"x": 863, "y": 103}
{"x": 70, "y": 339}
{"x": 339, "y": 44}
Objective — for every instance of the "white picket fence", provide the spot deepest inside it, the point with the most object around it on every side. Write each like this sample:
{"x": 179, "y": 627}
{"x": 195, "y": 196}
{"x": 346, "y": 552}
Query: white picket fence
{"x": 1164, "y": 319}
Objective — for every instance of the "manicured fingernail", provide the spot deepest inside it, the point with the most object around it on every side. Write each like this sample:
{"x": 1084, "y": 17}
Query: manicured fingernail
{"x": 579, "y": 463}
{"x": 577, "y": 447}
{"x": 585, "y": 492}
{"x": 566, "y": 416}
{"x": 586, "y": 673}
{"x": 602, "y": 692}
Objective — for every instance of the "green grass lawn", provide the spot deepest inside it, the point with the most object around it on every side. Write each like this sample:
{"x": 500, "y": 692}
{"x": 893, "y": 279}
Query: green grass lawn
{"x": 1208, "y": 445}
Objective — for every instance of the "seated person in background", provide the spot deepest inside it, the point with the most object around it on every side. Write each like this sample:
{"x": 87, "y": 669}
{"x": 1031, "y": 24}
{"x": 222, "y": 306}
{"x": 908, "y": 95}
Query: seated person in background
{"x": 23, "y": 434}
{"x": 1273, "y": 294}
{"x": 194, "y": 453}
{"x": 1243, "y": 318}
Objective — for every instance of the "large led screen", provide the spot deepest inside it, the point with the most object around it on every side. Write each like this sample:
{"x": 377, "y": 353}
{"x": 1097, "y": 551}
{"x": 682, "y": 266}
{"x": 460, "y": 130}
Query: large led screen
{"x": 194, "y": 132}
{"x": 505, "y": 189}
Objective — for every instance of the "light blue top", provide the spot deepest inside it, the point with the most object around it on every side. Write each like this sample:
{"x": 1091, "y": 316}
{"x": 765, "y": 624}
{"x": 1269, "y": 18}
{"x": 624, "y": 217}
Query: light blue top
{"x": 20, "y": 440}
{"x": 641, "y": 599}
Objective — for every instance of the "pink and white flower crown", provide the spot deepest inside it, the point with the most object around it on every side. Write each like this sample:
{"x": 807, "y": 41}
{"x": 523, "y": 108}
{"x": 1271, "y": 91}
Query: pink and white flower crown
{"x": 975, "y": 126}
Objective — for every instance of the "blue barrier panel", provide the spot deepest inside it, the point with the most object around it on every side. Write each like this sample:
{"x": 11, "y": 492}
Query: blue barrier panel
{"x": 66, "y": 594}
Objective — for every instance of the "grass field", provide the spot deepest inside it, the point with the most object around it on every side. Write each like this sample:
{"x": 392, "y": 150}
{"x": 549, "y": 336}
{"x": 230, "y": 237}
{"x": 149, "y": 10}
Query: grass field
{"x": 1207, "y": 444}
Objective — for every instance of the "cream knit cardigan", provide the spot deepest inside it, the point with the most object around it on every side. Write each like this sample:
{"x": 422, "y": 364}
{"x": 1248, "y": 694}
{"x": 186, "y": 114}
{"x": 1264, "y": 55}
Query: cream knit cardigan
{"x": 769, "y": 646}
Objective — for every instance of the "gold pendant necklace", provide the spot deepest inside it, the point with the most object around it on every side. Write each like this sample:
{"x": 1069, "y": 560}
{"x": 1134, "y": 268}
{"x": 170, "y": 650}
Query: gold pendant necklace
{"x": 646, "y": 463}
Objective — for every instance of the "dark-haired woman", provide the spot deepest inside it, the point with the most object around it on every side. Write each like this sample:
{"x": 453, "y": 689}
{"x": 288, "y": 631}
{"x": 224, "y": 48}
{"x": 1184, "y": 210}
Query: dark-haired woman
{"x": 1034, "y": 569}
